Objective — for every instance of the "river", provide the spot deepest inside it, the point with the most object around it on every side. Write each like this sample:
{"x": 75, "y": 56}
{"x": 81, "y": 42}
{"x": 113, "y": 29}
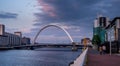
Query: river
{"x": 38, "y": 57}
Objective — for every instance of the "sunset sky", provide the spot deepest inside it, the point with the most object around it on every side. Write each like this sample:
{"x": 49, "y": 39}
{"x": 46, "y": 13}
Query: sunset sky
{"x": 76, "y": 16}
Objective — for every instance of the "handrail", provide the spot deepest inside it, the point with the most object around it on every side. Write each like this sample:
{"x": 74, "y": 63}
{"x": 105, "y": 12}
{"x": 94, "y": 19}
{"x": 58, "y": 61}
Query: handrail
{"x": 80, "y": 61}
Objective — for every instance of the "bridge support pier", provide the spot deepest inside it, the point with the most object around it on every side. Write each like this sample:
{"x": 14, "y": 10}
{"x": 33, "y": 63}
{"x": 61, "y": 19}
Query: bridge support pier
{"x": 31, "y": 48}
{"x": 74, "y": 48}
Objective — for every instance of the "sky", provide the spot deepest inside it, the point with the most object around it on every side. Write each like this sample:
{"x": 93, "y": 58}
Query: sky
{"x": 76, "y": 16}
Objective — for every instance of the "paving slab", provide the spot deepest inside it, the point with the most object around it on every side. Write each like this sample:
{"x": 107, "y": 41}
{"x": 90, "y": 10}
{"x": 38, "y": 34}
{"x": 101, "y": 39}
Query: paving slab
{"x": 95, "y": 59}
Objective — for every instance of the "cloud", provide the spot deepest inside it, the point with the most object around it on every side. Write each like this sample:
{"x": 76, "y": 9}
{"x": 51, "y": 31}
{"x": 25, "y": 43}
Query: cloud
{"x": 70, "y": 12}
{"x": 64, "y": 10}
{"x": 12, "y": 30}
{"x": 76, "y": 16}
{"x": 108, "y": 8}
{"x": 73, "y": 15}
{"x": 8, "y": 15}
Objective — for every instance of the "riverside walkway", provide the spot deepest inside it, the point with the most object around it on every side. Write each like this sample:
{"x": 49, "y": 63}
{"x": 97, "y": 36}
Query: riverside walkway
{"x": 95, "y": 59}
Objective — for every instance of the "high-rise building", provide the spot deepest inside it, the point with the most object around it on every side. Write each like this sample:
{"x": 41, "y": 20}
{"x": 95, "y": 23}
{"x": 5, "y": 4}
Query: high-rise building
{"x": 96, "y": 23}
{"x": 103, "y": 21}
{"x": 99, "y": 27}
{"x": 2, "y": 29}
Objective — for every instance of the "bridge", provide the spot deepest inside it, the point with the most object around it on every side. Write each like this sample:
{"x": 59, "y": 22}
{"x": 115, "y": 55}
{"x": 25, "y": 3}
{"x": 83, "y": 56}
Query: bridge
{"x": 48, "y": 45}
{"x": 31, "y": 46}
{"x": 69, "y": 36}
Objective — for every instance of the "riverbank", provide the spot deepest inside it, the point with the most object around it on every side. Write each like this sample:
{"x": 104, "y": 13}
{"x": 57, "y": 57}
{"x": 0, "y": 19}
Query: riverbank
{"x": 5, "y": 48}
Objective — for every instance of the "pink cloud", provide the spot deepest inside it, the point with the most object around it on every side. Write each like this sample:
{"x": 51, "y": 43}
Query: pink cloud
{"x": 47, "y": 8}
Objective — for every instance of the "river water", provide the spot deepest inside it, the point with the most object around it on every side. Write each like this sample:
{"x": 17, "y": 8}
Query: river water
{"x": 38, "y": 57}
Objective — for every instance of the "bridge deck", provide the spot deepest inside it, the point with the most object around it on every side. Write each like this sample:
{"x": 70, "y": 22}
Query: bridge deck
{"x": 95, "y": 59}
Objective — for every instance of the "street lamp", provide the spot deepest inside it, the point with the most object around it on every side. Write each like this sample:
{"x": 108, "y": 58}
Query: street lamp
{"x": 110, "y": 38}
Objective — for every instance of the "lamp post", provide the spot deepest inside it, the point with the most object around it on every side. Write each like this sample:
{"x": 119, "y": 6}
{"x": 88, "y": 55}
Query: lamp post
{"x": 110, "y": 39}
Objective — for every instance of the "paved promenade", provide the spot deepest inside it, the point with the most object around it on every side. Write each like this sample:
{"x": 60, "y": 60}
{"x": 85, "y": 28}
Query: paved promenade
{"x": 95, "y": 59}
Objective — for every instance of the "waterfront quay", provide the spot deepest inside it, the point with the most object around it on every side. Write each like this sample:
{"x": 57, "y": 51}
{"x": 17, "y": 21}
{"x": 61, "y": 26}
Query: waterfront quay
{"x": 95, "y": 59}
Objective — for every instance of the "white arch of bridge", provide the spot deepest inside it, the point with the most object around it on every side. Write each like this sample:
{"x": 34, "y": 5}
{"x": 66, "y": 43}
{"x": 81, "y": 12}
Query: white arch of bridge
{"x": 53, "y": 26}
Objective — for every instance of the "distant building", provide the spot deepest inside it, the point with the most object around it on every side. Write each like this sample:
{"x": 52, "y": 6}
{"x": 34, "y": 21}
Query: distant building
{"x": 8, "y": 39}
{"x": 12, "y": 39}
{"x": 87, "y": 40}
{"x": 2, "y": 29}
{"x": 3, "y": 40}
{"x": 25, "y": 40}
{"x": 18, "y": 34}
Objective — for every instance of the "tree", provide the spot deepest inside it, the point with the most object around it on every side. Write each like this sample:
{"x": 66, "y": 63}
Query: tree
{"x": 96, "y": 40}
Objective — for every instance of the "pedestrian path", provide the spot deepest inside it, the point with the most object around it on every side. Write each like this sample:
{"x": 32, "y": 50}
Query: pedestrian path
{"x": 95, "y": 59}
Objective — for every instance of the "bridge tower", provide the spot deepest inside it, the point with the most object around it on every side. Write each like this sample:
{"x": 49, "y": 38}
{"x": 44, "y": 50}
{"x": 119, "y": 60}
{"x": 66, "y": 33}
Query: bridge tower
{"x": 74, "y": 48}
